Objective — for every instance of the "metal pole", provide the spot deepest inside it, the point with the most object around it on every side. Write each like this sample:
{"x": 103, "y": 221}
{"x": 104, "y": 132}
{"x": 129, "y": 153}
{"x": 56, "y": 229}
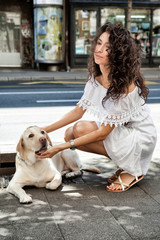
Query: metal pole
{"x": 129, "y": 10}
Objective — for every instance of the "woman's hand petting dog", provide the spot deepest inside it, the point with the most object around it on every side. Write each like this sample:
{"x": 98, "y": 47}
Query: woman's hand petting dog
{"x": 49, "y": 153}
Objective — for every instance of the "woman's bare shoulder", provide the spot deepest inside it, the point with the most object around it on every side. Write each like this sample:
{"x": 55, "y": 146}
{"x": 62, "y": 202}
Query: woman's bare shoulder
{"x": 131, "y": 88}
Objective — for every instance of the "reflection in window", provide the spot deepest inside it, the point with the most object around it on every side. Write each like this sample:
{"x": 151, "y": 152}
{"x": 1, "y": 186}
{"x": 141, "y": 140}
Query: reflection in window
{"x": 156, "y": 33}
{"x": 85, "y": 30}
{"x": 112, "y": 15}
{"x": 140, "y": 28}
{"x": 9, "y": 32}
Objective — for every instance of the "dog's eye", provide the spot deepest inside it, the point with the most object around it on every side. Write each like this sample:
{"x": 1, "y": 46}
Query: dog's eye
{"x": 42, "y": 132}
{"x": 30, "y": 135}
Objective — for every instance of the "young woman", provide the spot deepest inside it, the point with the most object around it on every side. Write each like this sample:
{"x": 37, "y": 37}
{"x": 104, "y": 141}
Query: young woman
{"x": 115, "y": 93}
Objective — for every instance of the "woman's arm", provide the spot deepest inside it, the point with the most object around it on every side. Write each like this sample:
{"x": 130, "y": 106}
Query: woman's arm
{"x": 68, "y": 118}
{"x": 98, "y": 135}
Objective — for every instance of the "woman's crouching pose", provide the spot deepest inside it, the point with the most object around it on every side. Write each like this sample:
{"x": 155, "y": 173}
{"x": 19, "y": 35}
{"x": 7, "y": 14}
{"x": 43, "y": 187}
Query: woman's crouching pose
{"x": 116, "y": 94}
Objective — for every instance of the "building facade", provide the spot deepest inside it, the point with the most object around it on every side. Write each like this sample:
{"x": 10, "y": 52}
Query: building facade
{"x": 16, "y": 33}
{"x": 87, "y": 16}
{"x": 43, "y": 33}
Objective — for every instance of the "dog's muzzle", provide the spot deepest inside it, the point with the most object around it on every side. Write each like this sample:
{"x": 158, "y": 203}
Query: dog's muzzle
{"x": 43, "y": 141}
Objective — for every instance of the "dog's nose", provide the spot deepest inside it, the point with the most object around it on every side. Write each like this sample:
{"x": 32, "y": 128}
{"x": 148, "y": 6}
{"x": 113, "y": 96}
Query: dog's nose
{"x": 42, "y": 140}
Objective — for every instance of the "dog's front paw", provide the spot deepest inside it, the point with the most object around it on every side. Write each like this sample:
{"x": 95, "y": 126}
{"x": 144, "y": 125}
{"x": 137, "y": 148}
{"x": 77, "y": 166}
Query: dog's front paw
{"x": 25, "y": 199}
{"x": 53, "y": 185}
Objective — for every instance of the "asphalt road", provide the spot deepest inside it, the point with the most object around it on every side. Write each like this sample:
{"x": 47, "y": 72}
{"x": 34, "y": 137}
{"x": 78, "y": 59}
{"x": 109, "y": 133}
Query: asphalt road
{"x": 40, "y": 94}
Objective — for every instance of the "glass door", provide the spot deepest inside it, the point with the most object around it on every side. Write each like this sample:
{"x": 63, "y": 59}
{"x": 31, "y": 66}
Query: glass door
{"x": 84, "y": 26}
{"x": 156, "y": 34}
{"x": 140, "y": 29}
{"x": 86, "y": 22}
{"x": 10, "y": 39}
{"x": 113, "y": 15}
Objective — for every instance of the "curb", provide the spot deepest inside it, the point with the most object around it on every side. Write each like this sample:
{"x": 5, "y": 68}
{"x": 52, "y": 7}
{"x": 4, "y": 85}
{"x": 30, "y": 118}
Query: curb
{"x": 72, "y": 78}
{"x": 36, "y": 78}
{"x": 152, "y": 78}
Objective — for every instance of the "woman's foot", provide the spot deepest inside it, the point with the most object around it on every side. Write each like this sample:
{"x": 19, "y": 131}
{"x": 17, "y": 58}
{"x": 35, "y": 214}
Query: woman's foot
{"x": 124, "y": 182}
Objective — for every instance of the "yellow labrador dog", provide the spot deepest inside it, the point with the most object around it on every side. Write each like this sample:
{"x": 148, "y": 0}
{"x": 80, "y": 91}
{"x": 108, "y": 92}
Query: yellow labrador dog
{"x": 31, "y": 170}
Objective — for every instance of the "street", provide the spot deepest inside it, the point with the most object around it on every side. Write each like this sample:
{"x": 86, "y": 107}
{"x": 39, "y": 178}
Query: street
{"x": 41, "y": 94}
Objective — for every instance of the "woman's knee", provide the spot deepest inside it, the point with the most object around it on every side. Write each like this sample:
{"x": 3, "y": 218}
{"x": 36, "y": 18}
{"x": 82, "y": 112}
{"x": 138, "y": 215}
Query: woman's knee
{"x": 83, "y": 127}
{"x": 68, "y": 134}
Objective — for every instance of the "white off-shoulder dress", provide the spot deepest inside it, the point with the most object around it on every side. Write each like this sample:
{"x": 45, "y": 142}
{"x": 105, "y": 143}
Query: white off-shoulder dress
{"x": 131, "y": 143}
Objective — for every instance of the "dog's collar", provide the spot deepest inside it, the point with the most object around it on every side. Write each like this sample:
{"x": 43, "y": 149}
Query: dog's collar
{"x": 20, "y": 158}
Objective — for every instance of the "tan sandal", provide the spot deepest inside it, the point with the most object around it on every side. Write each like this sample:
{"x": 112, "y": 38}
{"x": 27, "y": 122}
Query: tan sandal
{"x": 125, "y": 186}
{"x": 115, "y": 175}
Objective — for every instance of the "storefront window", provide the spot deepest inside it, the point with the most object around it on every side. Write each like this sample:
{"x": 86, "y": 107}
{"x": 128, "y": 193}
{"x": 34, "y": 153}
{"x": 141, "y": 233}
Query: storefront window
{"x": 112, "y": 15}
{"x": 140, "y": 29}
{"x": 85, "y": 30}
{"x": 156, "y": 33}
{"x": 48, "y": 34}
{"x": 10, "y": 39}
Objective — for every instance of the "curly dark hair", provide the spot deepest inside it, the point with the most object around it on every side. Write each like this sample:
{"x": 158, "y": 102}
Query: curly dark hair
{"x": 124, "y": 62}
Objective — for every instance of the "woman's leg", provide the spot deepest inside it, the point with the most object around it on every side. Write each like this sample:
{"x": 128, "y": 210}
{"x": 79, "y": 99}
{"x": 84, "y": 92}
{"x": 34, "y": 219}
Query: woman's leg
{"x": 81, "y": 128}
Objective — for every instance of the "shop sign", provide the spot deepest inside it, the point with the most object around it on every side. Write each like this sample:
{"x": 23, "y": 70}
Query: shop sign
{"x": 48, "y": 2}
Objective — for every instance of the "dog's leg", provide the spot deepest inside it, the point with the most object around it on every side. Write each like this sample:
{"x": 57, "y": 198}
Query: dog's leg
{"x": 17, "y": 190}
{"x": 72, "y": 162}
{"x": 55, "y": 183}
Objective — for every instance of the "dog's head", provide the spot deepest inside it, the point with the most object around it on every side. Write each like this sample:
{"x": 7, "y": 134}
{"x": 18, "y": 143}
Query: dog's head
{"x": 34, "y": 140}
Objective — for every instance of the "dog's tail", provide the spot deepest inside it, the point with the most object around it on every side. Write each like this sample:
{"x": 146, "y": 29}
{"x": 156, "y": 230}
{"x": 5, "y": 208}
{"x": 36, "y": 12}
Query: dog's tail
{"x": 90, "y": 169}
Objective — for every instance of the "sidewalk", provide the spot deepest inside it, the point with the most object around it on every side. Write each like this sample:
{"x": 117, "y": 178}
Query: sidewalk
{"x": 77, "y": 74}
{"x": 33, "y": 75}
{"x": 81, "y": 209}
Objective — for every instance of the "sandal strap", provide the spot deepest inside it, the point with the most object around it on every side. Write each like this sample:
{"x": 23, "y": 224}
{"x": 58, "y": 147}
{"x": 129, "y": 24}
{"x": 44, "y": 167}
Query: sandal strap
{"x": 136, "y": 177}
{"x": 127, "y": 186}
{"x": 123, "y": 185}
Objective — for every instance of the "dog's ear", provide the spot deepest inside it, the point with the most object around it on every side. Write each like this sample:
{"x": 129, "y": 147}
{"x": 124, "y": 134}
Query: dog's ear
{"x": 48, "y": 139}
{"x": 20, "y": 146}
